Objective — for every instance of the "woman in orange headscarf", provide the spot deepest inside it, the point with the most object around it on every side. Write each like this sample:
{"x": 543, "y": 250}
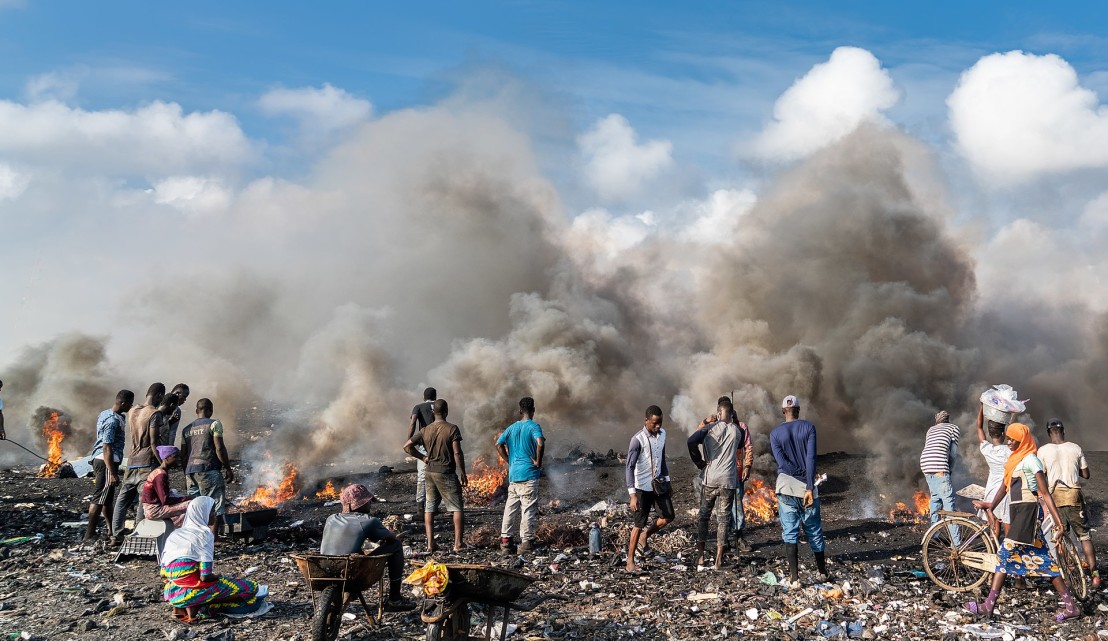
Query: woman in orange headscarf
{"x": 1021, "y": 554}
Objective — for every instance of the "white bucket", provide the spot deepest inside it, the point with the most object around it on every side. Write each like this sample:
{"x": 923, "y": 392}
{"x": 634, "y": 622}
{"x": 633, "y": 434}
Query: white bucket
{"x": 998, "y": 415}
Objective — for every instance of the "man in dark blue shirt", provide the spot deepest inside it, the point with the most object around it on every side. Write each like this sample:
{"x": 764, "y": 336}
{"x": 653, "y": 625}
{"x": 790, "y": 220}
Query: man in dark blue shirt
{"x": 794, "y": 447}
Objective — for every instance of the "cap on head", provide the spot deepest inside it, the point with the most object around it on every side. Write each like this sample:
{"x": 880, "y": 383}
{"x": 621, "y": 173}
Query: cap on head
{"x": 942, "y": 416}
{"x": 166, "y": 451}
{"x": 790, "y": 401}
{"x": 354, "y": 496}
{"x": 1055, "y": 424}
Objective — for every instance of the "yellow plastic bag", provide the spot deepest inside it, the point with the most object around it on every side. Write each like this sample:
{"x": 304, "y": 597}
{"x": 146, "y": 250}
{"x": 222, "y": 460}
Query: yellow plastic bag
{"x": 432, "y": 577}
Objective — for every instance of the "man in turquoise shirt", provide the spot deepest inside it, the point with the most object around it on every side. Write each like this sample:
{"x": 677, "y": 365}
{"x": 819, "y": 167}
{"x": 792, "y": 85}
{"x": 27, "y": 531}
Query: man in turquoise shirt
{"x": 522, "y": 446}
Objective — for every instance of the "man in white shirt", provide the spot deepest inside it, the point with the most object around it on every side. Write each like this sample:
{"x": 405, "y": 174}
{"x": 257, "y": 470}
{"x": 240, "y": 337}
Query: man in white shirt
{"x": 1065, "y": 467}
{"x": 648, "y": 484}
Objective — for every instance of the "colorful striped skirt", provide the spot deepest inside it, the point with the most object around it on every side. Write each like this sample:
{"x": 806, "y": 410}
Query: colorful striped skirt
{"x": 223, "y": 595}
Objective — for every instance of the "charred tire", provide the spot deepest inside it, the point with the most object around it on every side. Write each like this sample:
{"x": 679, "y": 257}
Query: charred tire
{"x": 325, "y": 625}
{"x": 942, "y": 560}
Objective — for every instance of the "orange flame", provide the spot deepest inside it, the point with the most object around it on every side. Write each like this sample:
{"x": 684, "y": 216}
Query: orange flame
{"x": 760, "y": 505}
{"x": 920, "y": 511}
{"x": 285, "y": 490}
{"x": 54, "y": 438}
{"x": 328, "y": 493}
{"x": 485, "y": 482}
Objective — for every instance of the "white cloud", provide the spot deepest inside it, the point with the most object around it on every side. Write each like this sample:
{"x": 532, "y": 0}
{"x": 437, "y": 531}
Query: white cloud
{"x": 1017, "y": 115}
{"x": 318, "y": 111}
{"x": 12, "y": 183}
{"x": 827, "y": 103}
{"x": 616, "y": 166}
{"x": 716, "y": 220}
{"x": 155, "y": 139}
{"x": 192, "y": 194}
{"x": 65, "y": 84}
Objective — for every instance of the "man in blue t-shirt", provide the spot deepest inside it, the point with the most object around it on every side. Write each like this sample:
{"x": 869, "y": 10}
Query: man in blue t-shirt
{"x": 522, "y": 446}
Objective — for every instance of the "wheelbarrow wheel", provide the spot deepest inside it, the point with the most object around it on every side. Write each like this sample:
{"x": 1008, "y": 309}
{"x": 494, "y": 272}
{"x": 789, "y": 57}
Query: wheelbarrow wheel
{"x": 434, "y": 631}
{"x": 325, "y": 626}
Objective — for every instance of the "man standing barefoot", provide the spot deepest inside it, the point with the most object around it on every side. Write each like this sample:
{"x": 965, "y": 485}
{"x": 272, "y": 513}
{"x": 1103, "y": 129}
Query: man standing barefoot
{"x": 446, "y": 472}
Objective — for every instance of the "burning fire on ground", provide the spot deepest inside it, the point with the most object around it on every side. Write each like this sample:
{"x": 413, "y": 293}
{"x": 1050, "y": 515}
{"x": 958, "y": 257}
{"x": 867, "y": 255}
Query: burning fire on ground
{"x": 274, "y": 495}
{"x": 52, "y": 432}
{"x": 328, "y": 493}
{"x": 760, "y": 504}
{"x": 486, "y": 483}
{"x": 919, "y": 512}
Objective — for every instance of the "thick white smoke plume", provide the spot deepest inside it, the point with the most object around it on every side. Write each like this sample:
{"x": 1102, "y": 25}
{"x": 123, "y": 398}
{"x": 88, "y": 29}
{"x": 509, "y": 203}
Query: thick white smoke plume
{"x": 429, "y": 249}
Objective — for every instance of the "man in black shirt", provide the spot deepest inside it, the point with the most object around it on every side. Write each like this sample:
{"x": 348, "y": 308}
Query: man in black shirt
{"x": 347, "y": 532}
{"x": 422, "y": 416}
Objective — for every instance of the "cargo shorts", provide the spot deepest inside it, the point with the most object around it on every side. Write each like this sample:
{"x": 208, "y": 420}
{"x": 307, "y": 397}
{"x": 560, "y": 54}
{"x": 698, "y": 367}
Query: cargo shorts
{"x": 445, "y": 489}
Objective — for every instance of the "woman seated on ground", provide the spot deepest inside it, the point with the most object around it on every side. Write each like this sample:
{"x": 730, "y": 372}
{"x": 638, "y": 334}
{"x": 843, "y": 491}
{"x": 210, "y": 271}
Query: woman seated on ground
{"x": 191, "y": 587}
{"x": 158, "y": 501}
{"x": 1020, "y": 554}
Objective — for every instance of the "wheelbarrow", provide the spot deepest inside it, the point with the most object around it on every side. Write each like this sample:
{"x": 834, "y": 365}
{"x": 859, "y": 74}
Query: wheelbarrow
{"x": 338, "y": 580}
{"x": 447, "y": 615}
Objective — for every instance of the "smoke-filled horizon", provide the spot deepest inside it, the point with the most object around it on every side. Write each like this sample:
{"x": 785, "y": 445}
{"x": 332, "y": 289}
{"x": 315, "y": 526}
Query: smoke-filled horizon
{"x": 429, "y": 249}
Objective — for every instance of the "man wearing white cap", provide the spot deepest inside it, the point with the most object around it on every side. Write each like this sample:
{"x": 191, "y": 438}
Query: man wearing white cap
{"x": 794, "y": 447}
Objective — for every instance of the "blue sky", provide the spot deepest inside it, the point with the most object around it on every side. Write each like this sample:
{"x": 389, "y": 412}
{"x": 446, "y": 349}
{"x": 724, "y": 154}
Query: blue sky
{"x": 661, "y": 65}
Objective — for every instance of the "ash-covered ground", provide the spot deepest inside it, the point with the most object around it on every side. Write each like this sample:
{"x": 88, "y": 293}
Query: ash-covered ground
{"x": 56, "y": 588}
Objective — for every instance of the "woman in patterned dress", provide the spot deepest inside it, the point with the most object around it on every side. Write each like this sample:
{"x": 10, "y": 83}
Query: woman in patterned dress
{"x": 191, "y": 587}
{"x": 1020, "y": 554}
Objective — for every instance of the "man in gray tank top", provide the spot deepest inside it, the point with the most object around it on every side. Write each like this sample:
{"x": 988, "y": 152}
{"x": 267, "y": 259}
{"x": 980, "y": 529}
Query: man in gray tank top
{"x": 207, "y": 466}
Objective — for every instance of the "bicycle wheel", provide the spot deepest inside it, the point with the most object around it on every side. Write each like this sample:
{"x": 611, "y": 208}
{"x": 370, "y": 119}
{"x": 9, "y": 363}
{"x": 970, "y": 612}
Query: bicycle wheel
{"x": 942, "y": 559}
{"x": 1073, "y": 572}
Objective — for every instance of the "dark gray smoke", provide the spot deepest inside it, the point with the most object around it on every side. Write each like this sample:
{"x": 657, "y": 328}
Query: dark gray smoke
{"x": 430, "y": 250}
{"x": 70, "y": 374}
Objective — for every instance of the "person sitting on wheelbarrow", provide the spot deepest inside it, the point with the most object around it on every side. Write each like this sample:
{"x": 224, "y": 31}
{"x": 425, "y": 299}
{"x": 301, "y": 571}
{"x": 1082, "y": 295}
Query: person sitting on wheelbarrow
{"x": 346, "y": 533}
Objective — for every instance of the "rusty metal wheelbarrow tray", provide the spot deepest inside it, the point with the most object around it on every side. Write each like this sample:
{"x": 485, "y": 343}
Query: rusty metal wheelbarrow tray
{"x": 352, "y": 573}
{"x": 486, "y": 584}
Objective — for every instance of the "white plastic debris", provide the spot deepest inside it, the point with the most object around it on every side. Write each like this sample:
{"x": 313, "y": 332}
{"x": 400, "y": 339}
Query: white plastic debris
{"x": 799, "y": 615}
{"x": 348, "y": 616}
{"x": 251, "y": 570}
{"x": 752, "y": 614}
{"x": 296, "y": 523}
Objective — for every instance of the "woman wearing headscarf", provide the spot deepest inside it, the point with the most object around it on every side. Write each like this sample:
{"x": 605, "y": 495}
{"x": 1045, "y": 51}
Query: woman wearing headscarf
{"x": 191, "y": 587}
{"x": 1020, "y": 554}
{"x": 158, "y": 501}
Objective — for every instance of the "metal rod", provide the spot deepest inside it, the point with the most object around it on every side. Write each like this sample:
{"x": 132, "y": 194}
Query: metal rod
{"x": 27, "y": 450}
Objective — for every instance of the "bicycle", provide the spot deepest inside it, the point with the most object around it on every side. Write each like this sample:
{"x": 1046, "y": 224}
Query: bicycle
{"x": 964, "y": 567}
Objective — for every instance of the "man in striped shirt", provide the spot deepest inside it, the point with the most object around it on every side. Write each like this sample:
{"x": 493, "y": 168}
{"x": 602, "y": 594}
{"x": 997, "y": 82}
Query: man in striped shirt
{"x": 940, "y": 447}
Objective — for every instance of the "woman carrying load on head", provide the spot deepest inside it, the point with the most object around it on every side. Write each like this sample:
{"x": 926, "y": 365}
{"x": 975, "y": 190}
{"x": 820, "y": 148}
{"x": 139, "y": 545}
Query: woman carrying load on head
{"x": 1020, "y": 555}
{"x": 191, "y": 587}
{"x": 996, "y": 453}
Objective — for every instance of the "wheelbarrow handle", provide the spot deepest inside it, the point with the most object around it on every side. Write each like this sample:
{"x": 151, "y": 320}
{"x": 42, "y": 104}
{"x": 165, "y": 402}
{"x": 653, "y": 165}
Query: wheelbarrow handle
{"x": 531, "y": 605}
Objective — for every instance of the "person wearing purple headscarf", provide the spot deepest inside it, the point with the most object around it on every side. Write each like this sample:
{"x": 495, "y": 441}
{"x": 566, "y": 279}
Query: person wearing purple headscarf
{"x": 158, "y": 500}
